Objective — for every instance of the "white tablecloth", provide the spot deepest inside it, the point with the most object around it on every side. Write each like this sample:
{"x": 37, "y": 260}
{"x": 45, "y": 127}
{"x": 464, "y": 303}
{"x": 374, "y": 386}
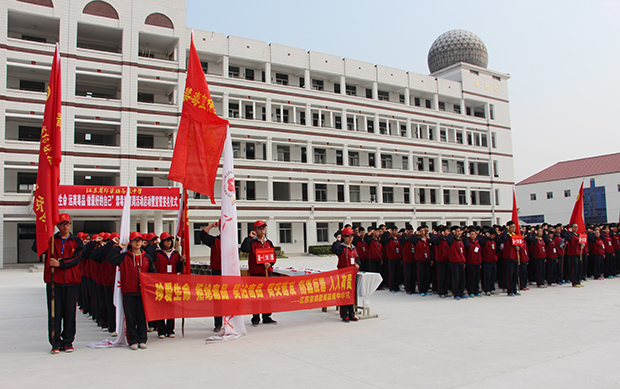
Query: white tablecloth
{"x": 367, "y": 284}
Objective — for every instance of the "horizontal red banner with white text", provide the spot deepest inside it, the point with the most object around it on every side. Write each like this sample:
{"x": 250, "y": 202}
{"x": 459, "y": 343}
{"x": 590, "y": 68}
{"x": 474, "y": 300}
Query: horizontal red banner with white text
{"x": 167, "y": 296}
{"x": 113, "y": 197}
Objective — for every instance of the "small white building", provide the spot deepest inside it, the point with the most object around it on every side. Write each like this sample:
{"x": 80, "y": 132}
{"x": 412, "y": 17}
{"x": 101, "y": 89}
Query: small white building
{"x": 550, "y": 195}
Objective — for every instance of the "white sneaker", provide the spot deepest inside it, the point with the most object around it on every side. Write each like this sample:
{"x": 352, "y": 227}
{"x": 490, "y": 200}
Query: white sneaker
{"x": 113, "y": 334}
{"x": 171, "y": 336}
{"x": 133, "y": 346}
{"x": 161, "y": 336}
{"x": 142, "y": 345}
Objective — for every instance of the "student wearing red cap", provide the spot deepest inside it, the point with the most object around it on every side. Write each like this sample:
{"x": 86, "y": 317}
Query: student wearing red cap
{"x": 107, "y": 276}
{"x": 167, "y": 261}
{"x": 150, "y": 245}
{"x": 64, "y": 281}
{"x": 347, "y": 257}
{"x": 133, "y": 262}
{"x": 257, "y": 240}
{"x": 215, "y": 243}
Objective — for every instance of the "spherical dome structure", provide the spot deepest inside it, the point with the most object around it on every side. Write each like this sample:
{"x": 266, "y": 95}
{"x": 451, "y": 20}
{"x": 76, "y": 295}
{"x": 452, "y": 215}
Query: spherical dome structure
{"x": 457, "y": 46}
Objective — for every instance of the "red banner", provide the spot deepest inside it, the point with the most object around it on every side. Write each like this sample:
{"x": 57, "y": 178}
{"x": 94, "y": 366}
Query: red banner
{"x": 517, "y": 240}
{"x": 113, "y": 197}
{"x": 266, "y": 255}
{"x": 167, "y": 296}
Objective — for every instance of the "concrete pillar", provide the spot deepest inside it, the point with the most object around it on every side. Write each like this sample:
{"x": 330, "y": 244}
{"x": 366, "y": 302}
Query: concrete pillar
{"x": 345, "y": 155}
{"x": 380, "y": 193}
{"x": 407, "y": 97}
{"x": 272, "y": 229}
{"x": 268, "y": 73}
{"x": 376, "y": 123}
{"x": 308, "y": 115}
{"x": 343, "y": 85}
{"x": 311, "y": 231}
{"x": 268, "y": 110}
{"x": 378, "y": 158}
{"x": 365, "y": 123}
{"x": 309, "y": 153}
{"x": 347, "y": 194}
{"x": 463, "y": 108}
{"x": 269, "y": 149}
{"x": 440, "y": 197}
{"x": 225, "y": 67}
{"x": 307, "y": 79}
{"x": 436, "y": 101}
{"x": 144, "y": 223}
{"x": 343, "y": 120}
{"x": 270, "y": 188}
{"x": 408, "y": 126}
{"x": 375, "y": 90}
{"x": 410, "y": 159}
{"x": 224, "y": 105}
{"x": 159, "y": 225}
{"x": 310, "y": 190}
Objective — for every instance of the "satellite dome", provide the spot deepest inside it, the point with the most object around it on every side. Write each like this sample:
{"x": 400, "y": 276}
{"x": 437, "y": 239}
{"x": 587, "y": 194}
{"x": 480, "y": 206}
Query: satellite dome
{"x": 456, "y": 46}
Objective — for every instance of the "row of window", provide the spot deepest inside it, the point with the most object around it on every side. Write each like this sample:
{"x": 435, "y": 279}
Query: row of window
{"x": 567, "y": 193}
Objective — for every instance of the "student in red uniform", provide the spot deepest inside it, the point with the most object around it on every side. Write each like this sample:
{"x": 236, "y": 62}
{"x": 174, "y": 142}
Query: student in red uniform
{"x": 456, "y": 255}
{"x": 573, "y": 254}
{"x": 489, "y": 260}
{"x": 510, "y": 253}
{"x": 347, "y": 257}
{"x": 64, "y": 281}
{"x": 105, "y": 278}
{"x": 560, "y": 245}
{"x": 257, "y": 240}
{"x": 360, "y": 246}
{"x": 615, "y": 236}
{"x": 552, "y": 259}
{"x": 539, "y": 254}
{"x": 167, "y": 261}
{"x": 440, "y": 247}
{"x": 608, "y": 263}
{"x": 473, "y": 258}
{"x": 393, "y": 253}
{"x": 523, "y": 269}
{"x": 215, "y": 243}
{"x": 375, "y": 255}
{"x": 409, "y": 271}
{"x": 133, "y": 262}
{"x": 597, "y": 253}
{"x": 423, "y": 258}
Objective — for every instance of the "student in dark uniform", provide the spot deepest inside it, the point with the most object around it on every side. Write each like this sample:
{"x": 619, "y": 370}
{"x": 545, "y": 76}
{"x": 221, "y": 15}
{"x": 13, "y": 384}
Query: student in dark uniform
{"x": 456, "y": 254}
{"x": 473, "y": 258}
{"x": 66, "y": 278}
{"x": 423, "y": 258}
{"x": 133, "y": 262}
{"x": 393, "y": 254}
{"x": 608, "y": 262}
{"x": 573, "y": 254}
{"x": 597, "y": 253}
{"x": 409, "y": 270}
{"x": 257, "y": 240}
{"x": 374, "y": 252}
{"x": 347, "y": 257}
{"x": 511, "y": 255}
{"x": 552, "y": 259}
{"x": 489, "y": 260}
{"x": 539, "y": 254}
{"x": 360, "y": 246}
{"x": 167, "y": 261}
{"x": 442, "y": 263}
{"x": 215, "y": 243}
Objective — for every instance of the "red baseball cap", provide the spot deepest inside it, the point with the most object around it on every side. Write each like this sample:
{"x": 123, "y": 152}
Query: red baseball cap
{"x": 101, "y": 234}
{"x": 106, "y": 236}
{"x": 165, "y": 236}
{"x": 80, "y": 235}
{"x": 135, "y": 235}
{"x": 64, "y": 217}
{"x": 115, "y": 235}
{"x": 259, "y": 223}
{"x": 150, "y": 236}
{"x": 347, "y": 231}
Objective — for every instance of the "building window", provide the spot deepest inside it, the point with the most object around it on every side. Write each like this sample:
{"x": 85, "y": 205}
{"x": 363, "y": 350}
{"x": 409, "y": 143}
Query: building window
{"x": 350, "y": 124}
{"x": 304, "y": 192}
{"x": 549, "y": 195}
{"x": 28, "y": 133}
{"x": 385, "y": 96}
{"x": 233, "y": 110}
{"x": 492, "y": 111}
{"x": 250, "y": 190}
{"x": 281, "y": 79}
{"x": 236, "y": 149}
{"x": 318, "y": 84}
{"x": 368, "y": 93}
{"x": 493, "y": 141}
{"x": 351, "y": 90}
{"x": 383, "y": 128}
{"x": 341, "y": 193}
{"x": 286, "y": 233}
{"x": 446, "y": 196}
{"x": 249, "y": 74}
{"x": 407, "y": 196}
{"x": 371, "y": 160}
{"x": 428, "y": 104}
{"x": 405, "y": 162}
{"x": 403, "y": 130}
{"x": 460, "y": 167}
{"x": 442, "y": 106}
{"x": 26, "y": 182}
{"x": 337, "y": 88}
{"x": 431, "y": 165}
{"x": 433, "y": 195}
{"x": 459, "y": 137}
{"x": 354, "y": 158}
{"x": 445, "y": 166}
{"x": 416, "y": 101}
{"x": 496, "y": 196}
{"x": 320, "y": 156}
{"x": 339, "y": 158}
{"x": 233, "y": 71}
{"x": 320, "y": 192}
{"x": 495, "y": 169}
{"x": 284, "y": 153}
{"x": 422, "y": 196}
{"x": 322, "y": 232}
{"x": 354, "y": 193}
{"x": 304, "y": 157}
{"x": 386, "y": 161}
{"x": 370, "y": 126}
{"x": 457, "y": 108}
{"x": 483, "y": 140}
{"x": 338, "y": 122}
{"x": 388, "y": 195}
{"x": 373, "y": 194}
{"x": 533, "y": 196}
{"x": 567, "y": 192}
{"x": 442, "y": 135}
{"x": 420, "y": 164}
{"x": 462, "y": 198}
{"x": 592, "y": 183}
{"x": 401, "y": 99}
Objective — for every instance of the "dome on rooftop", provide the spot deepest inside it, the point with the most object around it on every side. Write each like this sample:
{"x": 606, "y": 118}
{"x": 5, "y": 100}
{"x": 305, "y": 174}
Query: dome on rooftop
{"x": 456, "y": 46}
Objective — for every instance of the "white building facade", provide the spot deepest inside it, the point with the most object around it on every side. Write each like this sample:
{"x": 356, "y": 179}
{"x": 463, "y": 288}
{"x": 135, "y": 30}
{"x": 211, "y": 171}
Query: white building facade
{"x": 319, "y": 140}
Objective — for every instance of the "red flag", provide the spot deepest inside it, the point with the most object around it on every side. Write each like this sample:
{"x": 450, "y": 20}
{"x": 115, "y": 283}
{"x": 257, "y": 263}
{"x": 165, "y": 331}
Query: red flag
{"x": 515, "y": 213}
{"x": 48, "y": 175}
{"x": 201, "y": 134}
{"x": 577, "y": 215}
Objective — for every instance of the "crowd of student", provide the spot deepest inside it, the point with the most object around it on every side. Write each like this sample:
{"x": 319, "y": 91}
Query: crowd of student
{"x": 472, "y": 261}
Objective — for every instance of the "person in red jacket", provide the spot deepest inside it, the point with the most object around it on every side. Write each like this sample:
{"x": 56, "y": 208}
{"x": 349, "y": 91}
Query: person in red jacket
{"x": 597, "y": 252}
{"x": 473, "y": 258}
{"x": 215, "y": 243}
{"x": 422, "y": 246}
{"x": 360, "y": 246}
{"x": 552, "y": 259}
{"x": 393, "y": 253}
{"x": 560, "y": 245}
{"x": 167, "y": 261}
{"x": 608, "y": 268}
{"x": 615, "y": 236}
{"x": 347, "y": 257}
{"x": 409, "y": 265}
{"x": 104, "y": 277}
{"x": 255, "y": 241}
{"x": 456, "y": 255}
{"x": 133, "y": 262}
{"x": 440, "y": 248}
{"x": 374, "y": 252}
{"x": 523, "y": 268}
{"x": 539, "y": 254}
{"x": 489, "y": 260}
{"x": 62, "y": 276}
{"x": 574, "y": 250}
{"x": 511, "y": 255}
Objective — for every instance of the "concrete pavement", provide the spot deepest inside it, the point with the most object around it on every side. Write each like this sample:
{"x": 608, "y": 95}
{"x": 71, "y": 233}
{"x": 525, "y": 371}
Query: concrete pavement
{"x": 555, "y": 337}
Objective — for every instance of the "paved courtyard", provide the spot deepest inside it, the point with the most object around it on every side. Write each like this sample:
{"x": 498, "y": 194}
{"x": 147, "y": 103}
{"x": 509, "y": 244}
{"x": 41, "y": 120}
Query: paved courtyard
{"x": 556, "y": 337}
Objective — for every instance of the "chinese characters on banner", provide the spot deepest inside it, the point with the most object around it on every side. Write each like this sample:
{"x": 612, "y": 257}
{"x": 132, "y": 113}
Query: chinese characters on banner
{"x": 517, "y": 240}
{"x": 113, "y": 197}
{"x": 168, "y": 296}
{"x": 267, "y": 255}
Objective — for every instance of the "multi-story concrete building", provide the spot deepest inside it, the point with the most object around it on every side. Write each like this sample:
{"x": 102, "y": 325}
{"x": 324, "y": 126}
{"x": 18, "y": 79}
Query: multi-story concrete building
{"x": 319, "y": 140}
{"x": 549, "y": 195}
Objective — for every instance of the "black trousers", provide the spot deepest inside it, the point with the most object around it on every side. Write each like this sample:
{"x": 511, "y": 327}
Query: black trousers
{"x": 616, "y": 262}
{"x": 443, "y": 272}
{"x": 523, "y": 275}
{"x": 108, "y": 291}
{"x": 458, "y": 279}
{"x": 365, "y": 264}
{"x": 552, "y": 271}
{"x": 85, "y": 303}
{"x": 609, "y": 265}
{"x": 103, "y": 304}
{"x": 540, "y": 271}
{"x": 574, "y": 274}
{"x": 410, "y": 276}
{"x": 584, "y": 266}
{"x": 165, "y": 327}
{"x": 490, "y": 274}
{"x": 385, "y": 272}
{"x": 218, "y": 319}
{"x": 512, "y": 275}
{"x": 63, "y": 323}
{"x": 424, "y": 275}
{"x": 473, "y": 278}
{"x": 375, "y": 267}
{"x": 134, "y": 317}
{"x": 256, "y": 317}
{"x": 394, "y": 265}
{"x": 94, "y": 300}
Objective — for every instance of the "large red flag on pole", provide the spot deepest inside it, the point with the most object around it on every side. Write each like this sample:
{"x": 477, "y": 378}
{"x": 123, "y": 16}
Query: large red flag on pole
{"x": 577, "y": 215}
{"x": 201, "y": 134}
{"x": 515, "y": 212}
{"x": 48, "y": 175}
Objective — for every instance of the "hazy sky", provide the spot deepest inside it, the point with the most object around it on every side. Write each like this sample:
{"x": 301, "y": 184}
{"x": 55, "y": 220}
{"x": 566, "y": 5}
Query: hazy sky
{"x": 563, "y": 56}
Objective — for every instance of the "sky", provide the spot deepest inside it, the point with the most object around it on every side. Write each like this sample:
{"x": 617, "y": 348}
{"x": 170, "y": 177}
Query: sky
{"x": 563, "y": 56}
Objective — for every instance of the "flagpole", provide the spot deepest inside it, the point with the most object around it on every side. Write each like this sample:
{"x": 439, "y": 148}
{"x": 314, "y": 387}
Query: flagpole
{"x": 53, "y": 302}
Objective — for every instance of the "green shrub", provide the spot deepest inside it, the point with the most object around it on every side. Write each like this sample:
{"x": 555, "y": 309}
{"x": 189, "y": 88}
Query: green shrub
{"x": 320, "y": 250}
